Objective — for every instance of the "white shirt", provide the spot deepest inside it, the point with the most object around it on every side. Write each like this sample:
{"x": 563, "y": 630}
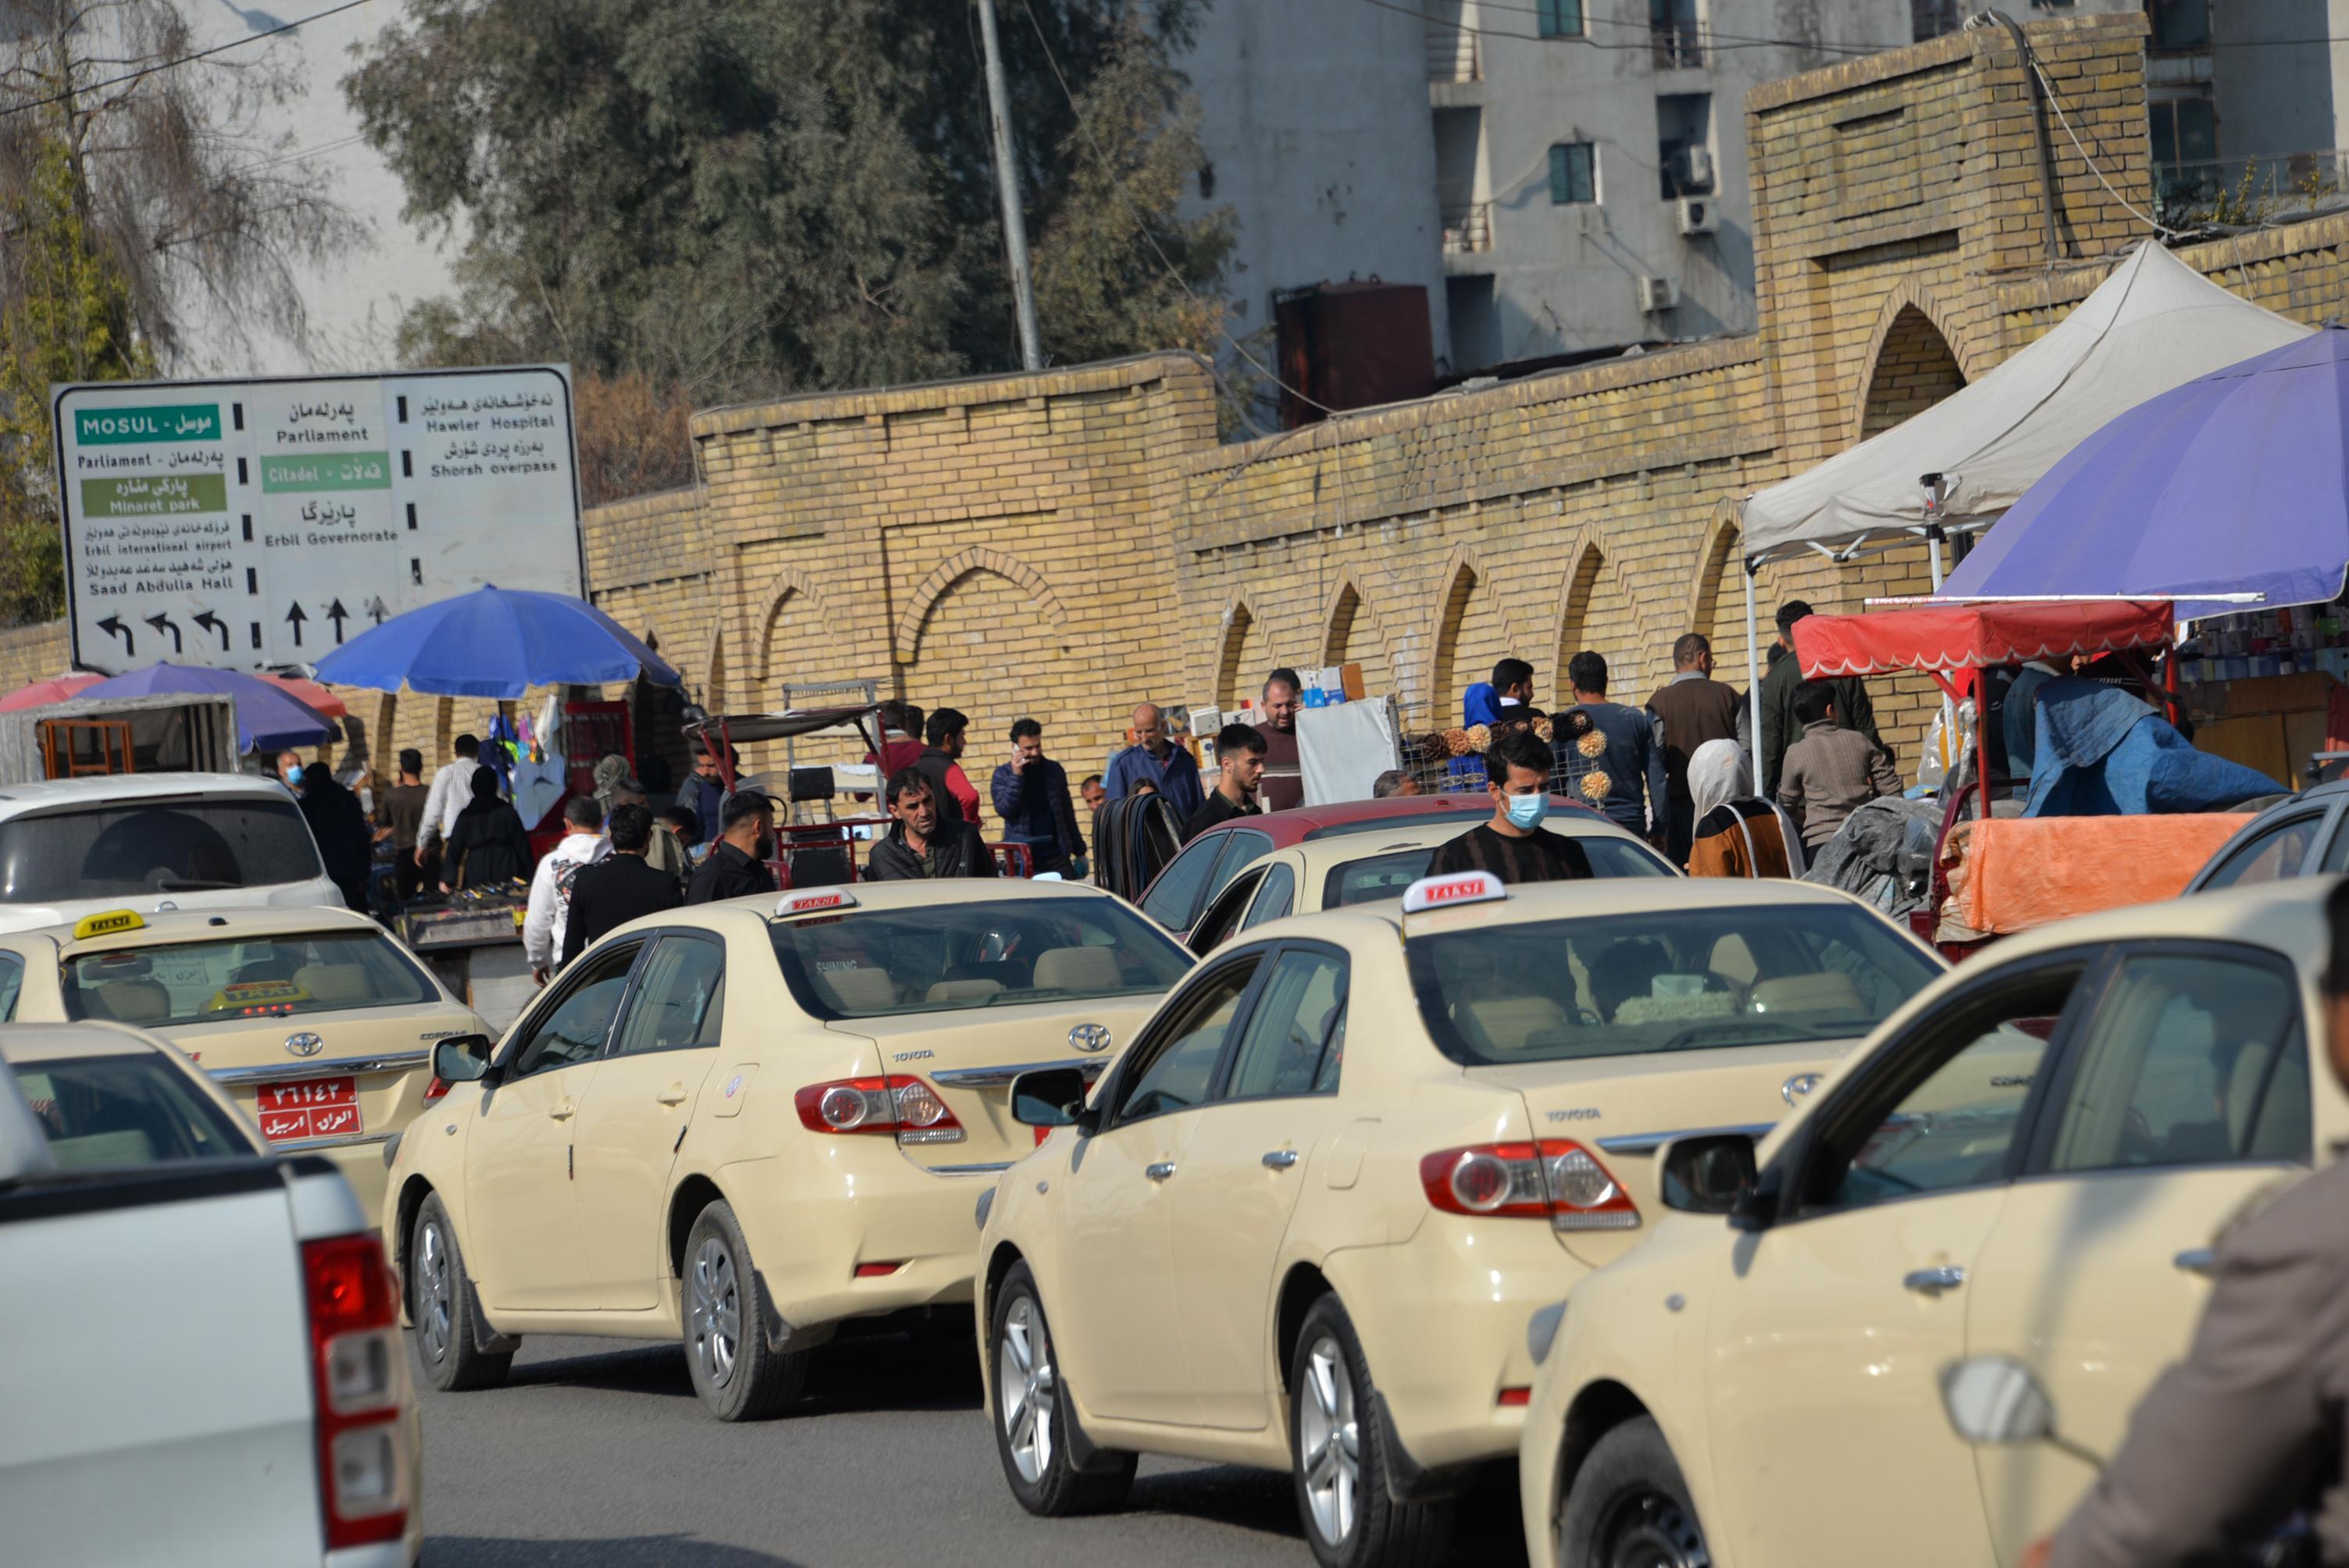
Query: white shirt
{"x": 550, "y": 910}
{"x": 451, "y": 792}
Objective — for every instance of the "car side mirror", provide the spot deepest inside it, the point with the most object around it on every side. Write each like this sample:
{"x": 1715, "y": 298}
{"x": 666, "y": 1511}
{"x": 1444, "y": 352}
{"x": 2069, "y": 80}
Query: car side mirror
{"x": 1708, "y": 1173}
{"x": 1049, "y": 1097}
{"x": 461, "y": 1058}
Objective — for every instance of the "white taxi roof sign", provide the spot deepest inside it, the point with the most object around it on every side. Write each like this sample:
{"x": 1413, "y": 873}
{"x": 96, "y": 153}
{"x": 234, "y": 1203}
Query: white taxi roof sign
{"x": 106, "y": 924}
{"x": 1460, "y": 887}
{"x": 813, "y": 900}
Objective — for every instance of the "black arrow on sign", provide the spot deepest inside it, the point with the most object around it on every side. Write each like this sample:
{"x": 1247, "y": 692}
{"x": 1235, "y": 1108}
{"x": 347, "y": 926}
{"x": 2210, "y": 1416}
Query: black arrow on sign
{"x": 296, "y": 615}
{"x": 337, "y": 614}
{"x": 113, "y": 623}
{"x": 165, "y": 623}
{"x": 375, "y": 611}
{"x": 214, "y": 623}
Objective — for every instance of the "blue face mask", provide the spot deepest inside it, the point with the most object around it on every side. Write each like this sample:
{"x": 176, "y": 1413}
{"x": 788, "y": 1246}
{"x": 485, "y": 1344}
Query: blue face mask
{"x": 1527, "y": 810}
{"x": 293, "y": 774}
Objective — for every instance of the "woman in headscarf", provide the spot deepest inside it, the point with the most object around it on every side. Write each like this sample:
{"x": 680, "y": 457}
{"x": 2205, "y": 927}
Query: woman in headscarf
{"x": 490, "y": 844}
{"x": 1738, "y": 834}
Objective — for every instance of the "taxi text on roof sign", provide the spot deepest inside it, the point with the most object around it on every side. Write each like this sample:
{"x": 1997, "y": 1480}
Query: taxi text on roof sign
{"x": 812, "y": 899}
{"x": 1464, "y": 887}
{"x": 106, "y": 924}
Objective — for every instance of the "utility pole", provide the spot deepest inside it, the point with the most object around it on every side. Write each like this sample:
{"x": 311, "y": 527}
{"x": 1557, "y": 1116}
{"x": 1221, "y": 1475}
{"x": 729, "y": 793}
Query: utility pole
{"x": 1007, "y": 180}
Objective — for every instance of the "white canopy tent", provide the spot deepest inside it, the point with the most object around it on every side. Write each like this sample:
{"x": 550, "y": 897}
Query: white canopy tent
{"x": 2155, "y": 324}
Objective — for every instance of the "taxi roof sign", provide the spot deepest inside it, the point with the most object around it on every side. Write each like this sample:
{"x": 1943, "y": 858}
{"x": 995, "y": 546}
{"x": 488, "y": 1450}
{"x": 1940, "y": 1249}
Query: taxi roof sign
{"x": 813, "y": 900}
{"x": 1460, "y": 887}
{"x": 106, "y": 924}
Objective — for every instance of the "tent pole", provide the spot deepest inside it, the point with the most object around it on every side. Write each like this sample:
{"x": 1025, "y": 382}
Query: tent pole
{"x": 1949, "y": 714}
{"x": 1753, "y": 678}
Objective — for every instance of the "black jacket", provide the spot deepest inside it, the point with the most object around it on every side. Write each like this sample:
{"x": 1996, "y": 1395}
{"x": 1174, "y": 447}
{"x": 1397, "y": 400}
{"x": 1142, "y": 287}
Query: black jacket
{"x": 728, "y": 873}
{"x": 491, "y": 843}
{"x": 933, "y": 764}
{"x": 611, "y": 892}
{"x": 959, "y": 851}
{"x": 346, "y": 843}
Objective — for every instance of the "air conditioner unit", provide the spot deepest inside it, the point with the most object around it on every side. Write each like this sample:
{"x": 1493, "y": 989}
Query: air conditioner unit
{"x": 1697, "y": 215}
{"x": 1697, "y": 165}
{"x": 1658, "y": 294}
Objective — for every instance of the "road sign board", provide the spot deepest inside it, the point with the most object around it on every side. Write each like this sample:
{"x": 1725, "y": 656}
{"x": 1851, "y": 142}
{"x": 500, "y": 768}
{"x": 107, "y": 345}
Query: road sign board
{"x": 251, "y": 523}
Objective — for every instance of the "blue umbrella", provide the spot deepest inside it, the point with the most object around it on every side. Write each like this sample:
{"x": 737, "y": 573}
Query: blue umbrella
{"x": 268, "y": 717}
{"x": 494, "y": 642}
{"x": 2236, "y": 482}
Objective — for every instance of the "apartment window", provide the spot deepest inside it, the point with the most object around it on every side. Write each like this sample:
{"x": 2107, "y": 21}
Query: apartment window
{"x": 1676, "y": 34}
{"x": 2185, "y": 131}
{"x": 1561, "y": 19}
{"x": 1573, "y": 173}
{"x": 2180, "y": 23}
{"x": 1684, "y": 143}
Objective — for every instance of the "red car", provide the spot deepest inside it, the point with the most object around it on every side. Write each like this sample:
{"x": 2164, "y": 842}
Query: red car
{"x": 1242, "y": 874}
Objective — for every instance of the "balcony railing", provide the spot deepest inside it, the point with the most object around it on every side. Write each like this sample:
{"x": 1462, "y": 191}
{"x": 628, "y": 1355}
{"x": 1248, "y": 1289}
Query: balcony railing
{"x": 1452, "y": 55}
{"x": 2250, "y": 190}
{"x": 1467, "y": 228}
{"x": 1678, "y": 45}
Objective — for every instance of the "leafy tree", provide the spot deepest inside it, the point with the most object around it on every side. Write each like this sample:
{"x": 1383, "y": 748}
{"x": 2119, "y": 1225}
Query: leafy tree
{"x": 745, "y": 197}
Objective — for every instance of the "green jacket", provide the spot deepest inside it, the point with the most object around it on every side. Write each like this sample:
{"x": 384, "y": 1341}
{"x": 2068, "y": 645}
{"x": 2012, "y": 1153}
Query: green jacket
{"x": 1780, "y": 728}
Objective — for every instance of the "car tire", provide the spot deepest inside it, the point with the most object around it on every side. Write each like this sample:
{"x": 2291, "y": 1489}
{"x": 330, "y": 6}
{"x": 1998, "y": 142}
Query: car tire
{"x": 1629, "y": 1505}
{"x": 1031, "y": 1413}
{"x": 441, "y": 1300}
{"x": 739, "y": 1376}
{"x": 1337, "y": 1457}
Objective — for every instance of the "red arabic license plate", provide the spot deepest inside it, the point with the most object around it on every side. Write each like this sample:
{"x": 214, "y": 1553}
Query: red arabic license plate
{"x": 313, "y": 1108}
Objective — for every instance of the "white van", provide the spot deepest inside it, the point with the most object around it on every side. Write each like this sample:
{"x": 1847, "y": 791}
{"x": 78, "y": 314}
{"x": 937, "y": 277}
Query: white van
{"x": 148, "y": 842}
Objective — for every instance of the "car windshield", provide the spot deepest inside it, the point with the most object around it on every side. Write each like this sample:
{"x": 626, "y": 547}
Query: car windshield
{"x": 951, "y": 956}
{"x": 1630, "y": 984}
{"x": 139, "y": 1109}
{"x": 252, "y": 978}
{"x": 1391, "y": 874}
{"x": 132, "y": 847}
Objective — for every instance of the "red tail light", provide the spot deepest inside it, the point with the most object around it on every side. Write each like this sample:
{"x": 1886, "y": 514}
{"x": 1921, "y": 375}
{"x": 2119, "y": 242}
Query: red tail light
{"x": 901, "y": 1106}
{"x": 1554, "y": 1179}
{"x": 363, "y": 1480}
{"x": 435, "y": 1090}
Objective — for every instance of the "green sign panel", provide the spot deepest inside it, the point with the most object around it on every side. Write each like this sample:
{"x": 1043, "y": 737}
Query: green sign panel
{"x": 155, "y": 495}
{"x": 163, "y": 422}
{"x": 334, "y": 471}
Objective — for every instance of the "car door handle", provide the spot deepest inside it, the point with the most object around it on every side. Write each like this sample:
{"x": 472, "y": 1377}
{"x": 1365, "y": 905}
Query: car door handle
{"x": 562, "y": 1110}
{"x": 673, "y": 1094}
{"x": 1933, "y": 1282}
{"x": 1160, "y": 1171}
{"x": 1280, "y": 1159}
{"x": 2196, "y": 1260}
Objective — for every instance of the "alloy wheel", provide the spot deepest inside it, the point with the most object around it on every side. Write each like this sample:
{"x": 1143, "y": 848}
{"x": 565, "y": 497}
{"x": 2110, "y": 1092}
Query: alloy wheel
{"x": 1329, "y": 1441}
{"x": 1646, "y": 1528}
{"x": 439, "y": 1306}
{"x": 714, "y": 1312}
{"x": 1027, "y": 1389}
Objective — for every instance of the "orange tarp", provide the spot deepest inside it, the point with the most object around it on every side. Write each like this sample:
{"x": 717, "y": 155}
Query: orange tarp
{"x": 2011, "y": 873}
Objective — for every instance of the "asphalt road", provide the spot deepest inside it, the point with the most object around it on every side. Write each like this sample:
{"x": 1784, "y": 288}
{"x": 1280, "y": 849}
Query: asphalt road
{"x": 596, "y": 1452}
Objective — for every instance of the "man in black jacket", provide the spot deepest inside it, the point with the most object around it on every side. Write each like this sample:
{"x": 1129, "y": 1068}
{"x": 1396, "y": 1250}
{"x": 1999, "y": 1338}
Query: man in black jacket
{"x": 923, "y": 845}
{"x": 737, "y": 866}
{"x": 619, "y": 888}
{"x": 346, "y": 843}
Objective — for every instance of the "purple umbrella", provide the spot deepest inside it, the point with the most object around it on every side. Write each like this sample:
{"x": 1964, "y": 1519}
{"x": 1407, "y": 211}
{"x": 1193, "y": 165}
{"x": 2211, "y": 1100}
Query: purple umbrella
{"x": 267, "y": 716}
{"x": 2236, "y": 482}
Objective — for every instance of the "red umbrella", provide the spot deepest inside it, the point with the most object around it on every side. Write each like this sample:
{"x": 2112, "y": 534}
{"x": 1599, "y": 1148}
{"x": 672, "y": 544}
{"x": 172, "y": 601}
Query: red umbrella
{"x": 311, "y": 694}
{"x": 41, "y": 694}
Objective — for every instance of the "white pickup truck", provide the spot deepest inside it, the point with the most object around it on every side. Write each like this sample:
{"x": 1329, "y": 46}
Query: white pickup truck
{"x": 198, "y": 1350}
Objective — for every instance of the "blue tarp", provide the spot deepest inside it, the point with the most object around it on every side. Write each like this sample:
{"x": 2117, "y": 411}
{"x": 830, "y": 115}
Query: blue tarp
{"x": 2103, "y": 752}
{"x": 2236, "y": 482}
{"x": 268, "y": 717}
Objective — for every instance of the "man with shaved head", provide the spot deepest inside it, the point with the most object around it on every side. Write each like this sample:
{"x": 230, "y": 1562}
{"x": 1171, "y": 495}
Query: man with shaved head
{"x": 1155, "y": 759}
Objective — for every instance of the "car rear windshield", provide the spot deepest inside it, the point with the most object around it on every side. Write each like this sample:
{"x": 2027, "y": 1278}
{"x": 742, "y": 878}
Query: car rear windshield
{"x": 139, "y": 1109}
{"x": 1391, "y": 874}
{"x": 1629, "y": 985}
{"x": 160, "y": 846}
{"x": 998, "y": 954}
{"x": 254, "y": 977}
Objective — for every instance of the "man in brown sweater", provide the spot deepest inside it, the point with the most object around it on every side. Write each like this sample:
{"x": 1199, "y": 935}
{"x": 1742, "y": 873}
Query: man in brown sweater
{"x": 1831, "y": 771}
{"x": 1691, "y": 708}
{"x": 1283, "y": 789}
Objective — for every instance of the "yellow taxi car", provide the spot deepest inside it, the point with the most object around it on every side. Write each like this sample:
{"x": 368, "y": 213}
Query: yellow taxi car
{"x": 746, "y": 1123}
{"x": 1304, "y": 1220}
{"x": 2030, "y": 1161}
{"x": 315, "y": 1021}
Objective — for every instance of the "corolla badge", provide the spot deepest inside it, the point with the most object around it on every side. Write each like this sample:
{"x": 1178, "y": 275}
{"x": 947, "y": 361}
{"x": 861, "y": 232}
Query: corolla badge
{"x": 303, "y": 1045}
{"x": 1090, "y": 1037}
{"x": 1801, "y": 1083}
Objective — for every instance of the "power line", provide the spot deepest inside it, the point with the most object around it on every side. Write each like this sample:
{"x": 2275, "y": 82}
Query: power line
{"x": 2055, "y": 101}
{"x": 1584, "y": 41}
{"x": 1696, "y": 30}
{"x": 181, "y": 60}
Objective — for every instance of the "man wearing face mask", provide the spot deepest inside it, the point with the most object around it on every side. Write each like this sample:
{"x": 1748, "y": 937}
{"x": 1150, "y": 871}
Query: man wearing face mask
{"x": 737, "y": 866}
{"x": 1515, "y": 846}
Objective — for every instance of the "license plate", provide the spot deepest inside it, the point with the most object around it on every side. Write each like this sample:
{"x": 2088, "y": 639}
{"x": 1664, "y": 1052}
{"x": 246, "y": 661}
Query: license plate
{"x": 314, "y": 1107}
